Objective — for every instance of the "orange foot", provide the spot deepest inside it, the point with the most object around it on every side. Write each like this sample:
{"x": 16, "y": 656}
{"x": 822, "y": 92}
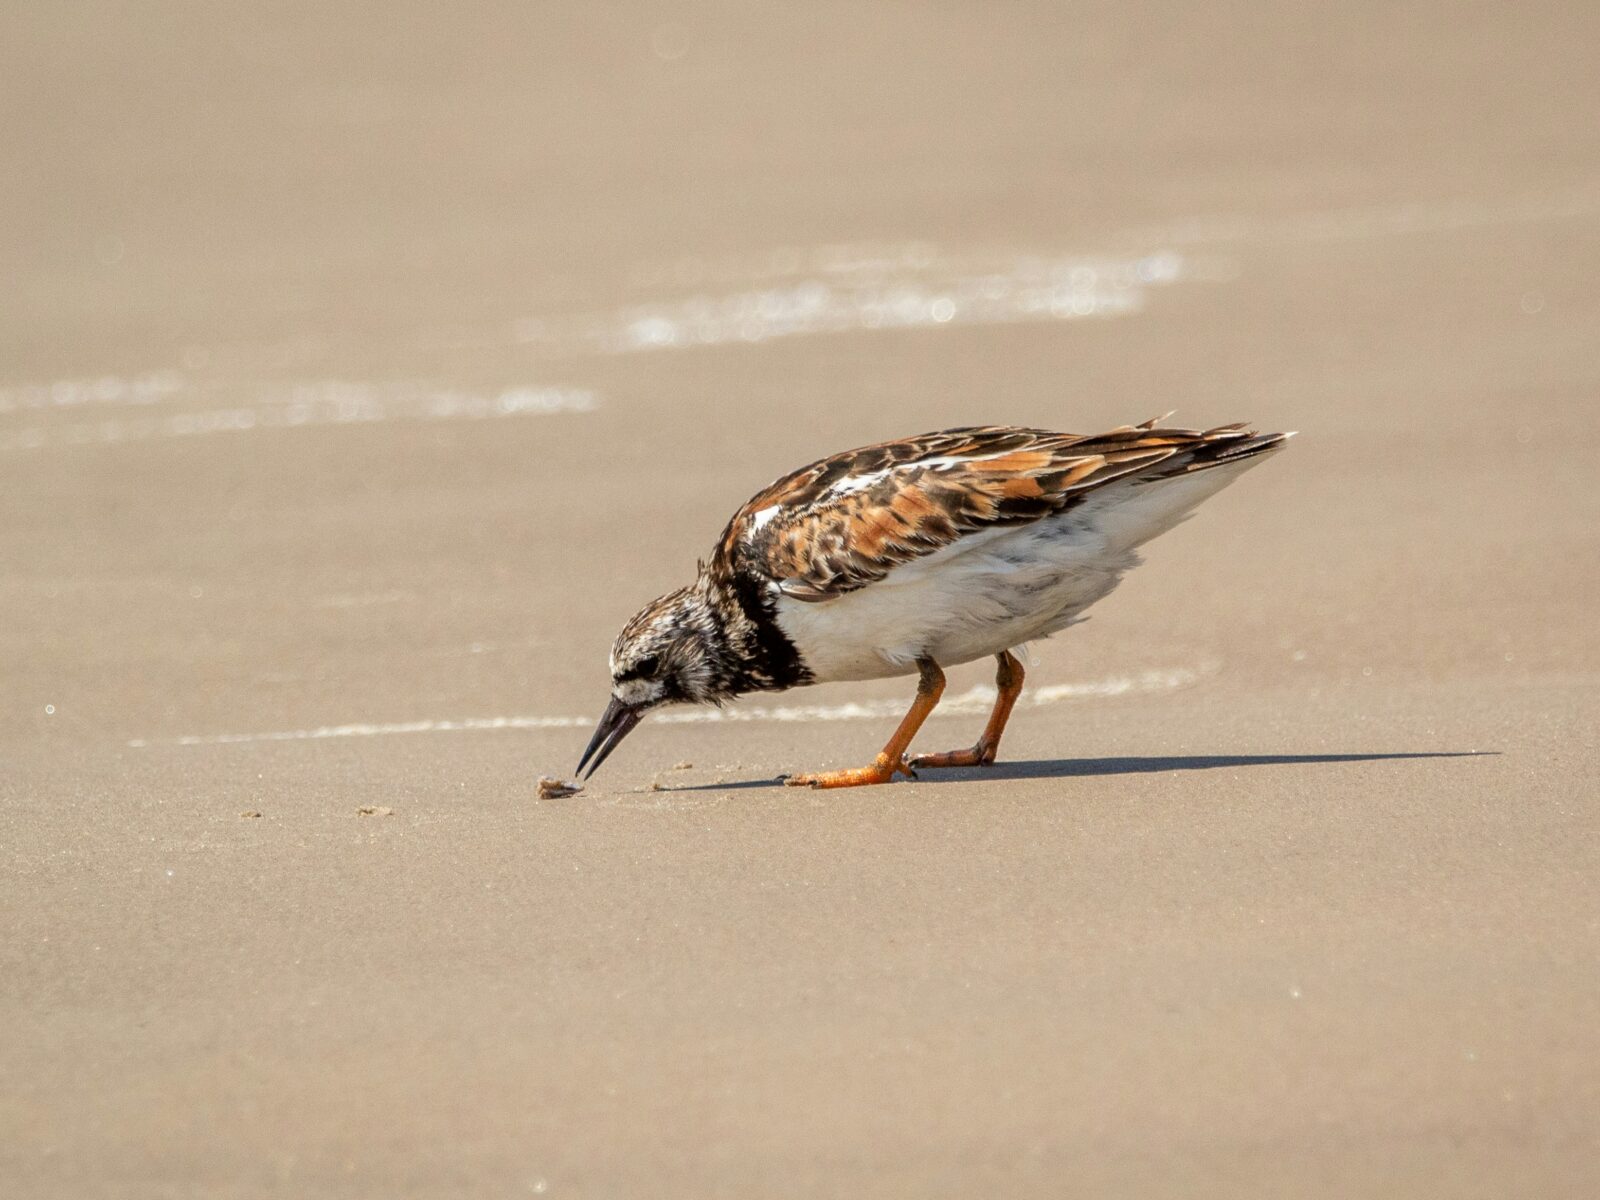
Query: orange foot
{"x": 1008, "y": 681}
{"x": 882, "y": 770}
{"x": 891, "y": 759}
{"x": 980, "y": 755}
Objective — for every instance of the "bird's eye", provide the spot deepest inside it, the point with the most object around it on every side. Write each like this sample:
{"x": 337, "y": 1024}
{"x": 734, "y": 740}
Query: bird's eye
{"x": 643, "y": 669}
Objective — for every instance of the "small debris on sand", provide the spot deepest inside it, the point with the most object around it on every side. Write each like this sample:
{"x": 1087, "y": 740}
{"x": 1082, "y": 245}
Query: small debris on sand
{"x": 555, "y": 789}
{"x": 250, "y": 812}
{"x": 375, "y": 810}
{"x": 683, "y": 766}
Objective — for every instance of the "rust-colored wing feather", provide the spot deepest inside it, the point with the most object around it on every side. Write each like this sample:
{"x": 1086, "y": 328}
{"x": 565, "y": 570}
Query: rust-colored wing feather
{"x": 847, "y": 521}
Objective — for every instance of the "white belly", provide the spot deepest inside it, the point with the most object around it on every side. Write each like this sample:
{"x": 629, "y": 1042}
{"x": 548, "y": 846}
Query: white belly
{"x": 991, "y": 591}
{"x": 959, "y": 604}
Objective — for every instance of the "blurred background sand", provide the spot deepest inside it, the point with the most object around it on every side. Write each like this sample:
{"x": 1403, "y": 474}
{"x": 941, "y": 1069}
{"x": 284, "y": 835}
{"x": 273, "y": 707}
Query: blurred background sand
{"x": 363, "y": 367}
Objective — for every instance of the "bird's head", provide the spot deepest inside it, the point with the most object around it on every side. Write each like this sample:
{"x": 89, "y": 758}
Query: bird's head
{"x": 664, "y": 655}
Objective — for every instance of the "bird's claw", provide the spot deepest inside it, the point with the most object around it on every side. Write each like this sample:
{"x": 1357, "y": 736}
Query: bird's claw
{"x": 878, "y": 772}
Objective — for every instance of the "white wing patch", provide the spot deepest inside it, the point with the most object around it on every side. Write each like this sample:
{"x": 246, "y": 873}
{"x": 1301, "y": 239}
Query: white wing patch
{"x": 760, "y": 519}
{"x": 859, "y": 483}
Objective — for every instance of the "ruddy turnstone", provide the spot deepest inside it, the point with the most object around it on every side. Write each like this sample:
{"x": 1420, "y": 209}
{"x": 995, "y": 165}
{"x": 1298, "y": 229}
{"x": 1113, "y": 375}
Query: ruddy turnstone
{"x": 908, "y": 557}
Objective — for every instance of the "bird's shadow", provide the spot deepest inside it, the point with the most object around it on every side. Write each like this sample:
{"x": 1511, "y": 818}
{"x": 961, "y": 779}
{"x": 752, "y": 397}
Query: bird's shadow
{"x": 1070, "y": 768}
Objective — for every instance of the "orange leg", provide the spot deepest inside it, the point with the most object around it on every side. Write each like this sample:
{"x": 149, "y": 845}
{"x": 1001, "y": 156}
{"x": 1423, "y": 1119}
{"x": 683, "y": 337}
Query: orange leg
{"x": 893, "y": 756}
{"x": 1009, "y": 680}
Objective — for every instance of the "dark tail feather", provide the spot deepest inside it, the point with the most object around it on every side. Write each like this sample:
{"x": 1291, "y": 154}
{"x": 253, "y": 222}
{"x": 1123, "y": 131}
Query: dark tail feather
{"x": 1221, "y": 447}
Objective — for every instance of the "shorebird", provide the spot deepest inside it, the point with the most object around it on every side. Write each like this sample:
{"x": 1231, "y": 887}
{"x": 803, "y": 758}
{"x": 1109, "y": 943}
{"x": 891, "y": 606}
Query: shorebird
{"x": 907, "y": 557}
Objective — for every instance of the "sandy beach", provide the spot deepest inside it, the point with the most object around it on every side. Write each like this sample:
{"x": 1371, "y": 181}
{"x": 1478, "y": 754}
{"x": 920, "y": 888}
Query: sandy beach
{"x": 363, "y": 369}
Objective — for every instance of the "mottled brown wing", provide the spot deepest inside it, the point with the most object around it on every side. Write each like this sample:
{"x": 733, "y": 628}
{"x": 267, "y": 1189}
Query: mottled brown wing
{"x": 847, "y": 521}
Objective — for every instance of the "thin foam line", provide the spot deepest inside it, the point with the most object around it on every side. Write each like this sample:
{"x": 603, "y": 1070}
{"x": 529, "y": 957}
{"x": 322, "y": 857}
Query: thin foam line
{"x": 976, "y": 700}
{"x": 1381, "y": 220}
{"x": 924, "y": 292}
{"x": 304, "y": 405}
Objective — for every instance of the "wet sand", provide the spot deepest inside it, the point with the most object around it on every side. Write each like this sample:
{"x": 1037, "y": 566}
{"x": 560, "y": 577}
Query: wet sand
{"x": 362, "y": 374}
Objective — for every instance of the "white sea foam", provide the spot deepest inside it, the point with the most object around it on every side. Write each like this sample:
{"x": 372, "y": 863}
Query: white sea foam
{"x": 149, "y": 388}
{"x": 168, "y": 410}
{"x": 974, "y": 701}
{"x": 876, "y": 288}
{"x": 792, "y": 291}
{"x": 1381, "y": 220}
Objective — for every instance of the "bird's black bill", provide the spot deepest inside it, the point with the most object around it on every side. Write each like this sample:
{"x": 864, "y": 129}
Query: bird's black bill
{"x": 614, "y": 725}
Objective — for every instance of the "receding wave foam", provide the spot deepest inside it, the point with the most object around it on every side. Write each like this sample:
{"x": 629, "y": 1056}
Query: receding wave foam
{"x": 974, "y": 701}
{"x": 149, "y": 388}
{"x": 1382, "y": 220}
{"x": 910, "y": 287}
{"x": 164, "y": 406}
